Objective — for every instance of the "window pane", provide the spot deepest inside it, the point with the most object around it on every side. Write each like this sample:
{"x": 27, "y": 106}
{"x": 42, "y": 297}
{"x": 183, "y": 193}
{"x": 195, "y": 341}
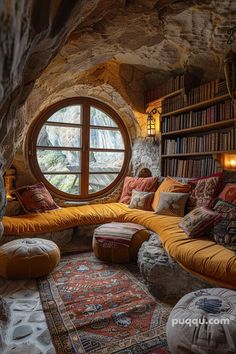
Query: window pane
{"x": 106, "y": 139}
{"x": 105, "y": 161}
{"x": 59, "y": 136}
{"x": 100, "y": 118}
{"x": 65, "y": 183}
{"x": 98, "y": 182}
{"x": 58, "y": 160}
{"x": 70, "y": 114}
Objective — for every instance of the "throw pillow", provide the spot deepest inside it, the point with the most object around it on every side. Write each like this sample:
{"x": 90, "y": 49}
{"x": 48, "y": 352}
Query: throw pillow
{"x": 172, "y": 204}
{"x": 224, "y": 233}
{"x": 229, "y": 193}
{"x": 204, "y": 190}
{"x": 35, "y": 198}
{"x": 148, "y": 184}
{"x": 198, "y": 221}
{"x": 141, "y": 200}
{"x": 169, "y": 185}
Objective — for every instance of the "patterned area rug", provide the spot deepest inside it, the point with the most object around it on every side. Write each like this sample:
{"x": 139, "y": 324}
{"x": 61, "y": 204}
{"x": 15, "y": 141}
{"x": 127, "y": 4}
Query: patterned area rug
{"x": 92, "y": 307}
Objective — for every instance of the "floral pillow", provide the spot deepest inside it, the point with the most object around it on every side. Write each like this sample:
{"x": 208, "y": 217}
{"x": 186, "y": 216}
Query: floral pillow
{"x": 204, "y": 190}
{"x": 35, "y": 198}
{"x": 229, "y": 193}
{"x": 172, "y": 204}
{"x": 224, "y": 232}
{"x": 198, "y": 221}
{"x": 141, "y": 200}
{"x": 148, "y": 184}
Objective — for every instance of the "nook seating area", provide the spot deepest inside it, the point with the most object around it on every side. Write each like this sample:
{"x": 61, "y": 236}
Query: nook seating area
{"x": 201, "y": 255}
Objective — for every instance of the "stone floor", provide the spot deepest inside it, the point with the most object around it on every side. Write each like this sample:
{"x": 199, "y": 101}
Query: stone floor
{"x": 26, "y": 331}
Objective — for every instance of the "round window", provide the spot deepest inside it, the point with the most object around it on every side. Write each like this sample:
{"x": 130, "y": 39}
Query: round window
{"x": 79, "y": 148}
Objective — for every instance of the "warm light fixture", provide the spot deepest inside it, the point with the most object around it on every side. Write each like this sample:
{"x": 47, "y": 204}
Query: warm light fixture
{"x": 230, "y": 161}
{"x": 9, "y": 178}
{"x": 151, "y": 123}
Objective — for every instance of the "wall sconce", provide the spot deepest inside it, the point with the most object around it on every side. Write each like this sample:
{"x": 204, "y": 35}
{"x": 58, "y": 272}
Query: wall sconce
{"x": 151, "y": 125}
{"x": 230, "y": 162}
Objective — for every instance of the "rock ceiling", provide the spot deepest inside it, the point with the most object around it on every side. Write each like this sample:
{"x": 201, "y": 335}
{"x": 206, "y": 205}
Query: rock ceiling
{"x": 130, "y": 45}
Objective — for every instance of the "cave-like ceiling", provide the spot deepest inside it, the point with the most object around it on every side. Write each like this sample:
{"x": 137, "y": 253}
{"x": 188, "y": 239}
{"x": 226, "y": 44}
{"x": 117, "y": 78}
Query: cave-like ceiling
{"x": 63, "y": 43}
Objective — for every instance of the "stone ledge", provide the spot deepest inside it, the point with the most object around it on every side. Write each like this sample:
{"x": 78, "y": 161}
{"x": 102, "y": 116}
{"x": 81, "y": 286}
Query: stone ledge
{"x": 164, "y": 277}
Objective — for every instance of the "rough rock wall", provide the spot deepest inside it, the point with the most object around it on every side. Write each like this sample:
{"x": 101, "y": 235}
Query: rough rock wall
{"x": 157, "y": 36}
{"x": 142, "y": 41}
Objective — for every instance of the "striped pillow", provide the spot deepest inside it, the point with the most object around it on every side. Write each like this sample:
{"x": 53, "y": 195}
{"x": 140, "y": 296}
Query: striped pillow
{"x": 198, "y": 221}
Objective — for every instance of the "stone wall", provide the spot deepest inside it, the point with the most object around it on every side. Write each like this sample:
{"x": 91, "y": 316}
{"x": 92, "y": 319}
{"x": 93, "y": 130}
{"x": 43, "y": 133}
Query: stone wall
{"x": 117, "y": 49}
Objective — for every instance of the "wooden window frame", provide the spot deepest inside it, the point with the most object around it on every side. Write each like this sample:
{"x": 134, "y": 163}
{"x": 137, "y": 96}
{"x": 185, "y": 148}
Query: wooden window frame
{"x": 86, "y": 103}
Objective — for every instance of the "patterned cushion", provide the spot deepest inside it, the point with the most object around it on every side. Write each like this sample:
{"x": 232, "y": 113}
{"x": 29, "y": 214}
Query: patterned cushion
{"x": 141, "y": 200}
{"x": 204, "y": 190}
{"x": 169, "y": 185}
{"x": 198, "y": 221}
{"x": 229, "y": 193}
{"x": 35, "y": 198}
{"x": 148, "y": 184}
{"x": 203, "y": 322}
{"x": 224, "y": 233}
{"x": 172, "y": 204}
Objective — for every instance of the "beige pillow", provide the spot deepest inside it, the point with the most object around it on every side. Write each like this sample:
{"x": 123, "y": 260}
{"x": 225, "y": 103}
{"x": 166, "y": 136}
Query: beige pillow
{"x": 169, "y": 185}
{"x": 172, "y": 204}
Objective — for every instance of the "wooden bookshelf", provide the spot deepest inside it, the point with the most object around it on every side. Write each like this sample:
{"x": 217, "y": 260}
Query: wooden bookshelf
{"x": 202, "y": 128}
{"x": 206, "y": 142}
{"x": 171, "y": 94}
{"x": 199, "y": 153}
{"x": 196, "y": 106}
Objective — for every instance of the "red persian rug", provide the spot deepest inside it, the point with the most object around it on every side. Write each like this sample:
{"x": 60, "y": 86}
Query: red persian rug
{"x": 92, "y": 307}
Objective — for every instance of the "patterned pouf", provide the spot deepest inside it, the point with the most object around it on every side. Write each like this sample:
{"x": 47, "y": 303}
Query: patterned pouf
{"x": 203, "y": 322}
{"x": 117, "y": 242}
{"x": 28, "y": 258}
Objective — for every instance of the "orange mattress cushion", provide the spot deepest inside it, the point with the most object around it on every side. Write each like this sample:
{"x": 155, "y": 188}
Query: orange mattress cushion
{"x": 202, "y": 257}
{"x": 61, "y": 219}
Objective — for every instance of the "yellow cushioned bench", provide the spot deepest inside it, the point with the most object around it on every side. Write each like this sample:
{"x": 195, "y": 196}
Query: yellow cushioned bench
{"x": 201, "y": 257}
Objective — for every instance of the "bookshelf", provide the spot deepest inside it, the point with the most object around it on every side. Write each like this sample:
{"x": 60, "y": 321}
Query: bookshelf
{"x": 198, "y": 126}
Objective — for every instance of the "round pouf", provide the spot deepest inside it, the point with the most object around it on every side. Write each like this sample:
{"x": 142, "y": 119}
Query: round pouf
{"x": 114, "y": 251}
{"x": 203, "y": 322}
{"x": 28, "y": 258}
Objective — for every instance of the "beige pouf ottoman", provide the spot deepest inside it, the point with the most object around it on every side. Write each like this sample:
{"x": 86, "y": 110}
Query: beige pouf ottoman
{"x": 203, "y": 322}
{"x": 28, "y": 258}
{"x": 119, "y": 242}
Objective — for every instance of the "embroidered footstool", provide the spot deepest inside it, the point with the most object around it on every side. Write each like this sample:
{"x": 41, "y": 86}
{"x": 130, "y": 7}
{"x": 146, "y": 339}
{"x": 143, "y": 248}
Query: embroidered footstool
{"x": 203, "y": 322}
{"x": 118, "y": 242}
{"x": 28, "y": 258}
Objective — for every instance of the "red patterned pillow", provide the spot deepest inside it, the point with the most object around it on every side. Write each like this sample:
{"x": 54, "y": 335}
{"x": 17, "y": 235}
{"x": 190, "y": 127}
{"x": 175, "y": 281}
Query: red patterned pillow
{"x": 198, "y": 221}
{"x": 229, "y": 193}
{"x": 35, "y": 198}
{"x": 148, "y": 184}
{"x": 204, "y": 190}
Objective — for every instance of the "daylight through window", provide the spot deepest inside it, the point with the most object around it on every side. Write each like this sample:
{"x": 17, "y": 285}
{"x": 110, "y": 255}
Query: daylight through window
{"x": 79, "y": 148}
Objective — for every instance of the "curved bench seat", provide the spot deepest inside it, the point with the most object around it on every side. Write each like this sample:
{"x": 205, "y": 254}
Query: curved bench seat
{"x": 201, "y": 257}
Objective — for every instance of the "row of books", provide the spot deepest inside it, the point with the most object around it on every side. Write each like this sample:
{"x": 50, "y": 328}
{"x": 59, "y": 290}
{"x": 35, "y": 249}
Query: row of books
{"x": 217, "y": 141}
{"x": 173, "y": 103}
{"x": 207, "y": 91}
{"x": 198, "y": 94}
{"x": 216, "y": 113}
{"x": 189, "y": 167}
{"x": 171, "y": 85}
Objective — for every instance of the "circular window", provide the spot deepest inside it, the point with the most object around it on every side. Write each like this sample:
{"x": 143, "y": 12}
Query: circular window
{"x": 79, "y": 148}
